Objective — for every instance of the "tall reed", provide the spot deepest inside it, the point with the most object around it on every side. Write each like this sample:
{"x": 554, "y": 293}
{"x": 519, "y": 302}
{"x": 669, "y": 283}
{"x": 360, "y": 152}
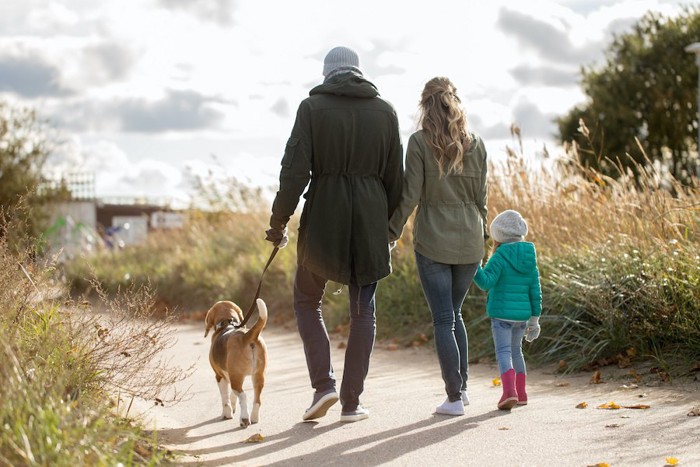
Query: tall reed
{"x": 619, "y": 260}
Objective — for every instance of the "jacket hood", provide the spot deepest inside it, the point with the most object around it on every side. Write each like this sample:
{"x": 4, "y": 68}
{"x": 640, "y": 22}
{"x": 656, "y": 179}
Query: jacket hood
{"x": 520, "y": 255}
{"x": 348, "y": 84}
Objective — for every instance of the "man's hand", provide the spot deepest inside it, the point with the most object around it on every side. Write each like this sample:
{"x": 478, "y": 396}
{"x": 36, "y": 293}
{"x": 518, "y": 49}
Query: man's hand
{"x": 277, "y": 237}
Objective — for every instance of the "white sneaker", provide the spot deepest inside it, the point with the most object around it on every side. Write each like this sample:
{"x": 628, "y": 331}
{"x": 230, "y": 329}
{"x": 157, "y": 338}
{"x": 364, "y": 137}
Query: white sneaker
{"x": 360, "y": 413}
{"x": 450, "y": 408}
{"x": 465, "y": 397}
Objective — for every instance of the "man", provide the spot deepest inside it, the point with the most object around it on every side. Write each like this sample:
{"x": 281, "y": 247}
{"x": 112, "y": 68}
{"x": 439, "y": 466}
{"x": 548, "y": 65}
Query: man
{"x": 346, "y": 143}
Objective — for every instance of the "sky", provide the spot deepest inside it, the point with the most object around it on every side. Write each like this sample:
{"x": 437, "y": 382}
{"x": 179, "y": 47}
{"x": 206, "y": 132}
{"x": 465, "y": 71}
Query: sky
{"x": 149, "y": 93}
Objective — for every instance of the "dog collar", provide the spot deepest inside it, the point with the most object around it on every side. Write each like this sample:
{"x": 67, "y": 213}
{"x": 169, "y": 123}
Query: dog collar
{"x": 224, "y": 324}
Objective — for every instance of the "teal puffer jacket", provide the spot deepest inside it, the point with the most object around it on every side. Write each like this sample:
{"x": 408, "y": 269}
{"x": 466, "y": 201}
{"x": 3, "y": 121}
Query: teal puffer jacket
{"x": 512, "y": 280}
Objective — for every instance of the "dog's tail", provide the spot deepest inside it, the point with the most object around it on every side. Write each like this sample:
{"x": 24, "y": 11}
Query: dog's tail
{"x": 257, "y": 328}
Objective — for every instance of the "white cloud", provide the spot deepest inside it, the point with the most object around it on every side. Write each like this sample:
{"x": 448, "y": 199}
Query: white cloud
{"x": 148, "y": 87}
{"x": 53, "y": 17}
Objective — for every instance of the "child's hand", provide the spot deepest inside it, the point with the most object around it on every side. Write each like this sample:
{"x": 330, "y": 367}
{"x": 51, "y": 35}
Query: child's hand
{"x": 532, "y": 331}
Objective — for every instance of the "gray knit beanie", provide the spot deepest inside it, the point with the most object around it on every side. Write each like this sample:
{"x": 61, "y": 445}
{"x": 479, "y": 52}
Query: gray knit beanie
{"x": 340, "y": 57}
{"x": 508, "y": 226}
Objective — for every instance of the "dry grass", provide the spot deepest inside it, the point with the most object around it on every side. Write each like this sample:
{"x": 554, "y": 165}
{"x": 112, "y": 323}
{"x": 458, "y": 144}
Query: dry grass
{"x": 618, "y": 257}
{"x": 62, "y": 362}
{"x": 570, "y": 207}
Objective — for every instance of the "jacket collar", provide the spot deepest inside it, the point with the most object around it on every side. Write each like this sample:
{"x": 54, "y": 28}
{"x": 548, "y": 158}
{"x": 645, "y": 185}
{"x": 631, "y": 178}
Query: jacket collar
{"x": 350, "y": 83}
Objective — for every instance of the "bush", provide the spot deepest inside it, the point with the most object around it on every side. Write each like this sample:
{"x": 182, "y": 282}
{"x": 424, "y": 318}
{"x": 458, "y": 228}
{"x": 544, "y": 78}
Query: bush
{"x": 61, "y": 364}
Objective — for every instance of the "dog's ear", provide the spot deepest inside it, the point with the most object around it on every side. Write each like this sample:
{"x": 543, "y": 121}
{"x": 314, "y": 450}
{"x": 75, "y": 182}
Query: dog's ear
{"x": 207, "y": 323}
{"x": 237, "y": 314}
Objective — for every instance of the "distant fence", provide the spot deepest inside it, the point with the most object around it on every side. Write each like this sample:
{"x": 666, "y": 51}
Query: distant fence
{"x": 80, "y": 185}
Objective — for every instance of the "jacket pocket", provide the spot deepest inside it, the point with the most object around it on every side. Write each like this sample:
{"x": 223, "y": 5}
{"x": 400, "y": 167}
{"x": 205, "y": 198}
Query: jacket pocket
{"x": 289, "y": 151}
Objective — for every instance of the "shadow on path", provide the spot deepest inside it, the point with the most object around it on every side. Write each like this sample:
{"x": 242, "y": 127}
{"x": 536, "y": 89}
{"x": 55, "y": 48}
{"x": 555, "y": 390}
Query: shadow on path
{"x": 375, "y": 449}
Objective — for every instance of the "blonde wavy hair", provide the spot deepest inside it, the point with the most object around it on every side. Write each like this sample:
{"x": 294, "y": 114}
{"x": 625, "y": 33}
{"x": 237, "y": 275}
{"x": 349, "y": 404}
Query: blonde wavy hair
{"x": 445, "y": 124}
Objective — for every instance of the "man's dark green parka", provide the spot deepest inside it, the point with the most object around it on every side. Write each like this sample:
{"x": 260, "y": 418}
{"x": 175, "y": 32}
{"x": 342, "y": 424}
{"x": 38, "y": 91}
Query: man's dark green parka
{"x": 345, "y": 146}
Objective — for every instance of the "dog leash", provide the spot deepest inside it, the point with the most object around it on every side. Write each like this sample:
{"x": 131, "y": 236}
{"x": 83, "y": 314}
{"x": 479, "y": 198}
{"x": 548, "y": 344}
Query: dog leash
{"x": 257, "y": 294}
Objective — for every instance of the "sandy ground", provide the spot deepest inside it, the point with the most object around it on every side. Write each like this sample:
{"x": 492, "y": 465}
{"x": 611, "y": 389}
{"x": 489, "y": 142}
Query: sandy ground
{"x": 401, "y": 392}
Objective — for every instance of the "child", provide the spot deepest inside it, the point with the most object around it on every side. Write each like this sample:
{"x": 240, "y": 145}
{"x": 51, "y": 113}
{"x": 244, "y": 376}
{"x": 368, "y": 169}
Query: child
{"x": 514, "y": 301}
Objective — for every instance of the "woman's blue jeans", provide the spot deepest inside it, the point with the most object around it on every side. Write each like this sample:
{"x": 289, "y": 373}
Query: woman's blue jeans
{"x": 508, "y": 340}
{"x": 445, "y": 286}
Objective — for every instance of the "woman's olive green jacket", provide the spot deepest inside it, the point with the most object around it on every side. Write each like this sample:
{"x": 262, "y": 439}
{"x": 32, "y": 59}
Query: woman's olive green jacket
{"x": 450, "y": 222}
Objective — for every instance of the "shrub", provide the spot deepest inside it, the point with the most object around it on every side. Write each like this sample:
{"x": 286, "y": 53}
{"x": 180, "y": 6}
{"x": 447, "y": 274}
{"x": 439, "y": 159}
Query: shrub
{"x": 61, "y": 363}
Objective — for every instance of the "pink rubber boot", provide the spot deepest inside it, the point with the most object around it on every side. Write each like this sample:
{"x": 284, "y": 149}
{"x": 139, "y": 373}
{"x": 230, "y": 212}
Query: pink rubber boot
{"x": 510, "y": 397}
{"x": 520, "y": 388}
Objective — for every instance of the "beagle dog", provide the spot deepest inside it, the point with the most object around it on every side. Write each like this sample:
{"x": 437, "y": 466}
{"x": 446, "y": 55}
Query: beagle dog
{"x": 237, "y": 352}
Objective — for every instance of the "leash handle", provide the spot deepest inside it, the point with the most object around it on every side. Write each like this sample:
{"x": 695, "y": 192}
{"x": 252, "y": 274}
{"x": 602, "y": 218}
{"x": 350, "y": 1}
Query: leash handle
{"x": 257, "y": 293}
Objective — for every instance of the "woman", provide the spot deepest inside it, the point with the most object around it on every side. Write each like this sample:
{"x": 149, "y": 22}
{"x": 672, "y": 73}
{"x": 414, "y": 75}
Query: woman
{"x": 445, "y": 176}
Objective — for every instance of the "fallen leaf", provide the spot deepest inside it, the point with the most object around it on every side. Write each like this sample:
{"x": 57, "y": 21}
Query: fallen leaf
{"x": 145, "y": 451}
{"x": 671, "y": 461}
{"x": 562, "y": 366}
{"x": 503, "y": 428}
{"x": 637, "y": 377}
{"x": 609, "y": 405}
{"x": 563, "y": 384}
{"x": 664, "y": 376}
{"x": 496, "y": 381}
{"x": 694, "y": 412}
{"x": 582, "y": 405}
{"x": 625, "y": 416}
{"x": 256, "y": 438}
{"x": 612, "y": 425}
{"x": 597, "y": 377}
{"x": 623, "y": 361}
{"x": 629, "y": 386}
{"x": 392, "y": 347}
{"x": 637, "y": 406}
{"x": 599, "y": 464}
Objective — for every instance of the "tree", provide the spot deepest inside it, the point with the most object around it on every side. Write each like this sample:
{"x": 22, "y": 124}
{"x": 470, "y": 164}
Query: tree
{"x": 24, "y": 146}
{"x": 645, "y": 91}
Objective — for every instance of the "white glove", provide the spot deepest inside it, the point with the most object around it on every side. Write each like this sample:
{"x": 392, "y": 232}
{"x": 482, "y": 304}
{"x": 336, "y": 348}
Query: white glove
{"x": 532, "y": 331}
{"x": 277, "y": 237}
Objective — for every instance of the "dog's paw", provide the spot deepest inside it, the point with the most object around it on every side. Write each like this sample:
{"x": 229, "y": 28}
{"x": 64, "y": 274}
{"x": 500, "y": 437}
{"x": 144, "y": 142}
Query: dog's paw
{"x": 227, "y": 414}
{"x": 245, "y": 422}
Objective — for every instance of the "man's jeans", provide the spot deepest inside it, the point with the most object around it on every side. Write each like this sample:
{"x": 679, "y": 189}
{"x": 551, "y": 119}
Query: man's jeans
{"x": 308, "y": 296}
{"x": 508, "y": 340}
{"x": 445, "y": 286}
